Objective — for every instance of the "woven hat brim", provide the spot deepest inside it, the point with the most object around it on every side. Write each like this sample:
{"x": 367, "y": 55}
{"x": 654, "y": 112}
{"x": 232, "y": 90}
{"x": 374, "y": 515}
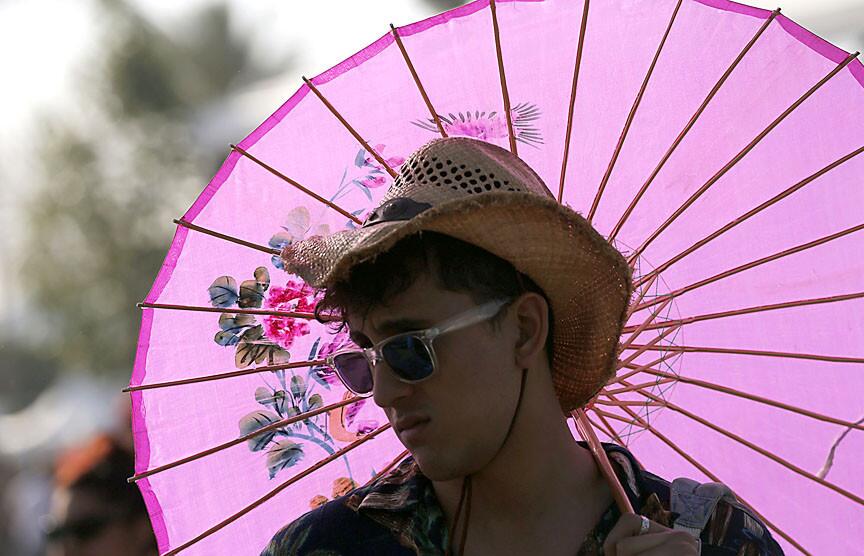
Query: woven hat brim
{"x": 587, "y": 281}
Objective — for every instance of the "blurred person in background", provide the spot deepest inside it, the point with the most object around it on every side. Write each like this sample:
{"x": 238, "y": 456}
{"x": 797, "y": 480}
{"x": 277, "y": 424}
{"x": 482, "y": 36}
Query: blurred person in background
{"x": 94, "y": 511}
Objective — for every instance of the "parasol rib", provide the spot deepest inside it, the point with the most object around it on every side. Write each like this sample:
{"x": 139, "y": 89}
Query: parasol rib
{"x": 750, "y": 310}
{"x": 387, "y": 468}
{"x": 639, "y": 329}
{"x": 704, "y": 470}
{"x": 587, "y": 433}
{"x": 609, "y": 429}
{"x": 605, "y": 428}
{"x": 234, "y": 517}
{"x": 780, "y": 196}
{"x": 417, "y": 82}
{"x": 600, "y": 427}
{"x": 690, "y": 124}
{"x": 634, "y": 403}
{"x": 753, "y": 264}
{"x": 639, "y": 386}
{"x": 612, "y": 416}
{"x": 637, "y": 352}
{"x": 734, "y": 351}
{"x": 271, "y": 427}
{"x": 263, "y": 248}
{"x": 629, "y": 121}
{"x": 625, "y": 406}
{"x": 350, "y": 129}
{"x": 146, "y": 305}
{"x": 572, "y": 104}
{"x": 737, "y": 158}
{"x": 753, "y": 397}
{"x": 502, "y": 77}
{"x": 636, "y": 369}
{"x": 643, "y": 291}
{"x": 285, "y": 178}
{"x": 220, "y": 376}
{"x": 791, "y": 466}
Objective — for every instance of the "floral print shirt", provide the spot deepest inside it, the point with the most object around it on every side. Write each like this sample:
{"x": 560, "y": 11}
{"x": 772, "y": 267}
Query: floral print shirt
{"x": 399, "y": 515}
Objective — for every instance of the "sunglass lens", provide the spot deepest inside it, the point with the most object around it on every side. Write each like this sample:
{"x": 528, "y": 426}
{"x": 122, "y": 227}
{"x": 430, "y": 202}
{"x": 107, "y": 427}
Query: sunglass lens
{"x": 408, "y": 356}
{"x": 353, "y": 369}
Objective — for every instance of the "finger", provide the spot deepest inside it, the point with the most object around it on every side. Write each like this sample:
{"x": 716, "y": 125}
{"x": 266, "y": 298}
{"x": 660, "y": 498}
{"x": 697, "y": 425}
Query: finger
{"x": 666, "y": 543}
{"x": 631, "y": 546}
{"x": 628, "y": 525}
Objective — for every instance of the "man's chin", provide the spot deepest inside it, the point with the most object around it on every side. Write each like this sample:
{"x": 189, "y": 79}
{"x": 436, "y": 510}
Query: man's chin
{"x": 436, "y": 468}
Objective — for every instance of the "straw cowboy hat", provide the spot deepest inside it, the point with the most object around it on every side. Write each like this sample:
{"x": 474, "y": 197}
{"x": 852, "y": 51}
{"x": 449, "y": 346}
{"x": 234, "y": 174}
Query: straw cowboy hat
{"x": 485, "y": 195}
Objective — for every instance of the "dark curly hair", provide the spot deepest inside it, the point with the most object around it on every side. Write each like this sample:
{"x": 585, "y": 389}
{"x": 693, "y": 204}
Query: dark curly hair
{"x": 456, "y": 265}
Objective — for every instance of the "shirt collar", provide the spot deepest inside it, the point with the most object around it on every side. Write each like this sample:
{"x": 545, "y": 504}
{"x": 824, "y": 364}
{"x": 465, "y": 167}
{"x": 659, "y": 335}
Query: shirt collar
{"x": 406, "y": 486}
{"x": 399, "y": 491}
{"x": 404, "y": 502}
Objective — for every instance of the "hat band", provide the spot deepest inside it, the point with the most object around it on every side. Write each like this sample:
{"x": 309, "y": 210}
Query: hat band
{"x": 398, "y": 208}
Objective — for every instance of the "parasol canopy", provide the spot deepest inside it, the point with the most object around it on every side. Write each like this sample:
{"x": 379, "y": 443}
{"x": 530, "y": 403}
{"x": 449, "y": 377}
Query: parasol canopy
{"x": 716, "y": 145}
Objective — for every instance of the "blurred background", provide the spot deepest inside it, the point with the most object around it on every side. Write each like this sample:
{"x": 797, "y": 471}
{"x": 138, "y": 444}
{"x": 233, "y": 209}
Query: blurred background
{"x": 115, "y": 114}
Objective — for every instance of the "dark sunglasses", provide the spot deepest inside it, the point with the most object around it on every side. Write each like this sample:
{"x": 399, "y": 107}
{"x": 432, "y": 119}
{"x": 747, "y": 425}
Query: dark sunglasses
{"x": 409, "y": 354}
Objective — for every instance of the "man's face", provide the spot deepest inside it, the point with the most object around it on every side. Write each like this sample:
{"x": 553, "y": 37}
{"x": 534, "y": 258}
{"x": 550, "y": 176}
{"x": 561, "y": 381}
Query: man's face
{"x": 469, "y": 400}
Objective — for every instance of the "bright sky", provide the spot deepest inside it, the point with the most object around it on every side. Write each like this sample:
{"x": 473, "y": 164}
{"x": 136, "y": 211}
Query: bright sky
{"x": 41, "y": 39}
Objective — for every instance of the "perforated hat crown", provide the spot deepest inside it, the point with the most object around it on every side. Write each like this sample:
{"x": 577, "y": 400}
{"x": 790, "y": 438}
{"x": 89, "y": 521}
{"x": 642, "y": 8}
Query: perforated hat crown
{"x": 485, "y": 195}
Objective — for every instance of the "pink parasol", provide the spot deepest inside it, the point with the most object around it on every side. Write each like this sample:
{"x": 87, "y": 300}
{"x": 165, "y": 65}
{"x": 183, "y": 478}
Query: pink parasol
{"x": 715, "y": 144}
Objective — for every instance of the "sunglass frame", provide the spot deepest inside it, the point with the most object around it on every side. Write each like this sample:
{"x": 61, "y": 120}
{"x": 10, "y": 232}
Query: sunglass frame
{"x": 374, "y": 354}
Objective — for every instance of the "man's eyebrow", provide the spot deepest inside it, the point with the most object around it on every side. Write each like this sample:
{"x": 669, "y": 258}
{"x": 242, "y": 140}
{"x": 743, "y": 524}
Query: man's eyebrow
{"x": 391, "y": 327}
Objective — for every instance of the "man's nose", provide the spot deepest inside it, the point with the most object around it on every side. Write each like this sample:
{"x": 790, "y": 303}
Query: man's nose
{"x": 386, "y": 386}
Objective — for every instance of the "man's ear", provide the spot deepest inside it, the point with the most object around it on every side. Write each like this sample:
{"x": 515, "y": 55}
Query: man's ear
{"x": 532, "y": 314}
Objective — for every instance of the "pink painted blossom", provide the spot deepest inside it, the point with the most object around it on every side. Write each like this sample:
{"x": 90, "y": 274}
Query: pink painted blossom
{"x": 338, "y": 342}
{"x": 366, "y": 426}
{"x": 393, "y": 162}
{"x": 352, "y": 410}
{"x": 373, "y": 181}
{"x": 296, "y": 297}
{"x": 484, "y": 128}
{"x": 359, "y": 426}
{"x": 327, "y": 374}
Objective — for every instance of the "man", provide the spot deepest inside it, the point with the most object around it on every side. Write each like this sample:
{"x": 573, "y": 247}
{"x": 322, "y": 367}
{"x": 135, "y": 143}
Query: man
{"x": 485, "y": 312}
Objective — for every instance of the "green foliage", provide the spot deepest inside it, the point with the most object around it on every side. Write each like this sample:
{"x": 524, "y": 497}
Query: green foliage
{"x": 284, "y": 454}
{"x": 114, "y": 175}
{"x": 150, "y": 73}
{"x": 24, "y": 374}
{"x": 255, "y": 421}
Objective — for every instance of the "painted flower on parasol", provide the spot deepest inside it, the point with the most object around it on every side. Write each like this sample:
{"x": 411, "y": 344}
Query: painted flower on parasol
{"x": 286, "y": 394}
{"x": 490, "y": 125}
{"x": 376, "y": 173}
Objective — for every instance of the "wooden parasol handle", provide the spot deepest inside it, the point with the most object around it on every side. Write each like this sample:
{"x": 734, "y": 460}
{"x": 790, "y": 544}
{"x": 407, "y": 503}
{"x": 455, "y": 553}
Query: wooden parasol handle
{"x": 587, "y": 432}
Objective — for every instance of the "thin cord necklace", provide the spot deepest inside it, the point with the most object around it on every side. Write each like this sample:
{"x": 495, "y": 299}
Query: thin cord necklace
{"x": 466, "y": 482}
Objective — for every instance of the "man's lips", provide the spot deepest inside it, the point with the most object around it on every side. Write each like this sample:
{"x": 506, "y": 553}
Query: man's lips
{"x": 405, "y": 423}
